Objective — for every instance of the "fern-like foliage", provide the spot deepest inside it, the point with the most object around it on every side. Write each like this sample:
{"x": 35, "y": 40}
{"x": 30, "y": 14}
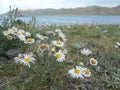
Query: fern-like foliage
{"x": 114, "y": 81}
{"x": 78, "y": 46}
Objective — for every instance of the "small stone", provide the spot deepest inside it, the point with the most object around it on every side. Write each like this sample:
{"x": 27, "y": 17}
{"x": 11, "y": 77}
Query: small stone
{"x": 3, "y": 59}
{"x": 13, "y": 52}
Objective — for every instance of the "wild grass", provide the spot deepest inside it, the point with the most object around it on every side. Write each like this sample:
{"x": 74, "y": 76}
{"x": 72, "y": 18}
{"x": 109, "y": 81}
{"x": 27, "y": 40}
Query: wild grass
{"x": 47, "y": 74}
{"x": 47, "y": 77}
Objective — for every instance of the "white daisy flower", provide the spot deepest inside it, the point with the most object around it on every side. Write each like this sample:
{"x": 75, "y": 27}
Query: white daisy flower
{"x": 22, "y": 37}
{"x": 20, "y": 55}
{"x": 60, "y": 57}
{"x": 27, "y": 34}
{"x": 27, "y": 58}
{"x": 97, "y": 27}
{"x": 9, "y": 37}
{"x": 93, "y": 61}
{"x": 53, "y": 49}
{"x": 86, "y": 72}
{"x": 43, "y": 47}
{"x": 51, "y": 32}
{"x": 58, "y": 43}
{"x": 18, "y": 58}
{"x": 29, "y": 41}
{"x": 76, "y": 72}
{"x": 117, "y": 45}
{"x": 57, "y": 30}
{"x": 20, "y": 32}
{"x": 12, "y": 31}
{"x": 42, "y": 37}
{"x": 15, "y": 29}
{"x": 5, "y": 33}
{"x": 86, "y": 52}
{"x": 38, "y": 35}
{"x": 63, "y": 36}
{"x": 81, "y": 64}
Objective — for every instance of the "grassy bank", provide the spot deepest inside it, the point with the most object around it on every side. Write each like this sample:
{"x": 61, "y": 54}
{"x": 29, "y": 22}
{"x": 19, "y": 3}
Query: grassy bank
{"x": 51, "y": 75}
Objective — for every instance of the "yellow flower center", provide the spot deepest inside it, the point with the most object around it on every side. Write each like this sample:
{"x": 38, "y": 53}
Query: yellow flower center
{"x": 42, "y": 36}
{"x": 10, "y": 37}
{"x": 6, "y": 33}
{"x": 85, "y": 53}
{"x": 58, "y": 55}
{"x": 87, "y": 71}
{"x": 53, "y": 50}
{"x": 11, "y": 30}
{"x": 29, "y": 40}
{"x": 59, "y": 42}
{"x": 43, "y": 46}
{"x": 52, "y": 32}
{"x": 27, "y": 59}
{"x": 93, "y": 61}
{"x": 14, "y": 28}
{"x": 81, "y": 64}
{"x": 19, "y": 33}
{"x": 77, "y": 71}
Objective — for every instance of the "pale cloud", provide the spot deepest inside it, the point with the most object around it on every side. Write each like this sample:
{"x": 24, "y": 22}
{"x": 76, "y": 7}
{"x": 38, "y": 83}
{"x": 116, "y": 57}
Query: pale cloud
{"x": 33, "y": 4}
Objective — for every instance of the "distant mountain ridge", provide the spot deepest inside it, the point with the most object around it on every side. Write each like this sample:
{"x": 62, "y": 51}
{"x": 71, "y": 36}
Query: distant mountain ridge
{"x": 90, "y": 10}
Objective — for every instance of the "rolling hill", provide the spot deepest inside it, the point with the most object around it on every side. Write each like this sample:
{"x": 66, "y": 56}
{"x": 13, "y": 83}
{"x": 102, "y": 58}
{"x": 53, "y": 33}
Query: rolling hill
{"x": 91, "y": 10}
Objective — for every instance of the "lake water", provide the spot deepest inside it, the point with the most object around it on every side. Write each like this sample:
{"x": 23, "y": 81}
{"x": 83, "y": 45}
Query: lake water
{"x": 74, "y": 19}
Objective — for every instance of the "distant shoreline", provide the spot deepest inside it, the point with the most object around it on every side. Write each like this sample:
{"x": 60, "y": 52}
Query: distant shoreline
{"x": 91, "y": 10}
{"x": 65, "y": 15}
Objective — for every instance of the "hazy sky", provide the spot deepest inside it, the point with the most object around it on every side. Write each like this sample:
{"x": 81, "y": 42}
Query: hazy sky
{"x": 33, "y": 4}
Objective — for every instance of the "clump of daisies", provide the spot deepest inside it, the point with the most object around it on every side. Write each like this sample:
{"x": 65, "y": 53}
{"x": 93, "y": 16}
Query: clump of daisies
{"x": 10, "y": 33}
{"x": 81, "y": 71}
{"x": 22, "y": 35}
{"x": 47, "y": 45}
{"x": 52, "y": 43}
{"x": 87, "y": 52}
